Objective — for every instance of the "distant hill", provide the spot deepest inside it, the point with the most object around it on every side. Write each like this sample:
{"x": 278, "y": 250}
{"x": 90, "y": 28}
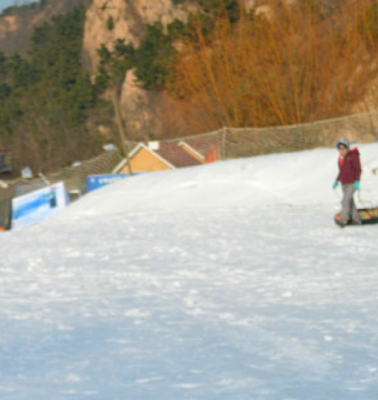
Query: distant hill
{"x": 16, "y": 22}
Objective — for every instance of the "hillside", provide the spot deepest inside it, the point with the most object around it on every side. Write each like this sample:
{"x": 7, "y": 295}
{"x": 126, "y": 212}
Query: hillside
{"x": 177, "y": 68}
{"x": 48, "y": 104}
{"x": 17, "y": 22}
{"x": 229, "y": 63}
{"x": 224, "y": 281}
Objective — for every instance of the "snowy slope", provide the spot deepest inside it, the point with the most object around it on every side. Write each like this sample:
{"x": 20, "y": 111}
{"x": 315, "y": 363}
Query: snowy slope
{"x": 302, "y": 178}
{"x": 226, "y": 281}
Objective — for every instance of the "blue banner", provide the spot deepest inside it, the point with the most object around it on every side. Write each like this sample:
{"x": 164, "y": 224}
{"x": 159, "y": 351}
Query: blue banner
{"x": 98, "y": 181}
{"x": 36, "y": 206}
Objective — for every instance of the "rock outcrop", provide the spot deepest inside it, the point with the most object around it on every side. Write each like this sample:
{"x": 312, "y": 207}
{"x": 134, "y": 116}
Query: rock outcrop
{"x": 141, "y": 110}
{"x": 109, "y": 20}
{"x": 9, "y": 25}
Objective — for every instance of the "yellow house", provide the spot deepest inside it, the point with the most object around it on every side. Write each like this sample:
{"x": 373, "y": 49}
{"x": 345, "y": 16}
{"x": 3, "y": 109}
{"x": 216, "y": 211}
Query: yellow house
{"x": 158, "y": 156}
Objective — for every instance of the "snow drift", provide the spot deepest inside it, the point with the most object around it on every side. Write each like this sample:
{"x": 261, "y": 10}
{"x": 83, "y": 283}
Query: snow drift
{"x": 302, "y": 178}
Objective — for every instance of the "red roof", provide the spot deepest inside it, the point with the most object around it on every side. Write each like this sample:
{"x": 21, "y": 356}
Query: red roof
{"x": 176, "y": 156}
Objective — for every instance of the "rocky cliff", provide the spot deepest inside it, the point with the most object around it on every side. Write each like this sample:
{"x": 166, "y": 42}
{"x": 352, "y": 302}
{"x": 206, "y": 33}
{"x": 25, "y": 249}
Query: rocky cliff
{"x": 128, "y": 21}
{"x": 109, "y": 20}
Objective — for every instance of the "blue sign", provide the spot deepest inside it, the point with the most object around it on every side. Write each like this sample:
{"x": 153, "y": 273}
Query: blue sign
{"x": 36, "y": 206}
{"x": 98, "y": 181}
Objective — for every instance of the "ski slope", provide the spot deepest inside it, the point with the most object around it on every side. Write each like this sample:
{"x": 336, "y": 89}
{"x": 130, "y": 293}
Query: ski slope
{"x": 225, "y": 281}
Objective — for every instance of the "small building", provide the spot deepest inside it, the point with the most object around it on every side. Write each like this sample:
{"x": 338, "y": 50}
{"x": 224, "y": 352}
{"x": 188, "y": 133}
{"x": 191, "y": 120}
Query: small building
{"x": 160, "y": 156}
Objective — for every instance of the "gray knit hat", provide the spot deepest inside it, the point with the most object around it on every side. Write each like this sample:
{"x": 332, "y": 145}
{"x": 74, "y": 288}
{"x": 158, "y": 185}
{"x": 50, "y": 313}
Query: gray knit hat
{"x": 343, "y": 141}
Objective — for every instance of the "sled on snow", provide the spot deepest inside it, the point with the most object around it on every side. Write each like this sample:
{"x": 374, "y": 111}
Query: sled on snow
{"x": 367, "y": 215}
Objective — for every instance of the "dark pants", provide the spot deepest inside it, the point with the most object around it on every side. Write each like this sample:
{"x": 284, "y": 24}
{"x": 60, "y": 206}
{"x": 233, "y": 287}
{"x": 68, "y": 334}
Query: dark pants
{"x": 348, "y": 208}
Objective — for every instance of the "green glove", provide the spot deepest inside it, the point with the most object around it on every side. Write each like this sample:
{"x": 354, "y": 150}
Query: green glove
{"x": 335, "y": 184}
{"x": 357, "y": 185}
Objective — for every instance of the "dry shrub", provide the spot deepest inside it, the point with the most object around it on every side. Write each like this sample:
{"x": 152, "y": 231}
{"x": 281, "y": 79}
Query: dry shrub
{"x": 297, "y": 64}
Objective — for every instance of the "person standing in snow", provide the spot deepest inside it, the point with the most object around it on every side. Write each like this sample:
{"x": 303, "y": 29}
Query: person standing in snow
{"x": 349, "y": 176}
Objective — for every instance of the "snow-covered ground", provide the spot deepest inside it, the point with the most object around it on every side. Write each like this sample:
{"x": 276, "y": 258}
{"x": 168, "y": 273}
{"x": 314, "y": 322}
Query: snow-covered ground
{"x": 226, "y": 281}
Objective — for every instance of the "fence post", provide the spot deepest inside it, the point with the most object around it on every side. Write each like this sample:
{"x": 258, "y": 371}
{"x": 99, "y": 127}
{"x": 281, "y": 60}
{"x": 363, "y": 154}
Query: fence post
{"x": 223, "y": 143}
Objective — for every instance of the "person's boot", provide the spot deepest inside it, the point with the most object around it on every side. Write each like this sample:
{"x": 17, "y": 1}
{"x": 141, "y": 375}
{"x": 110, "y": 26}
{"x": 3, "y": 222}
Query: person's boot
{"x": 341, "y": 224}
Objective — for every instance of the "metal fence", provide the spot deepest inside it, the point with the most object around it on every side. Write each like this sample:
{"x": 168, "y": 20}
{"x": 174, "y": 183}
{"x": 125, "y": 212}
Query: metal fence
{"x": 247, "y": 142}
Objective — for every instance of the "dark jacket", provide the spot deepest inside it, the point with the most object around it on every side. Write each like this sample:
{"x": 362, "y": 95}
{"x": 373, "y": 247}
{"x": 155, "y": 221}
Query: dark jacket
{"x": 350, "y": 167}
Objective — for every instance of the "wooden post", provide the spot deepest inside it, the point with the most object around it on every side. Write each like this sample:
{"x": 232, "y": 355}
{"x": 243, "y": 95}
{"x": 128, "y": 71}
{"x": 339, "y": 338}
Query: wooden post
{"x": 121, "y": 130}
{"x": 223, "y": 145}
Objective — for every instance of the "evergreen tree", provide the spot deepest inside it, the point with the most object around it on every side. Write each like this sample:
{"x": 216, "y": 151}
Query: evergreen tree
{"x": 45, "y": 101}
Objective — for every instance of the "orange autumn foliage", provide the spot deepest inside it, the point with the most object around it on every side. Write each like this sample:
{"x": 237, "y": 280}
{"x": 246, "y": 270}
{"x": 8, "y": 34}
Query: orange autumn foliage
{"x": 294, "y": 65}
